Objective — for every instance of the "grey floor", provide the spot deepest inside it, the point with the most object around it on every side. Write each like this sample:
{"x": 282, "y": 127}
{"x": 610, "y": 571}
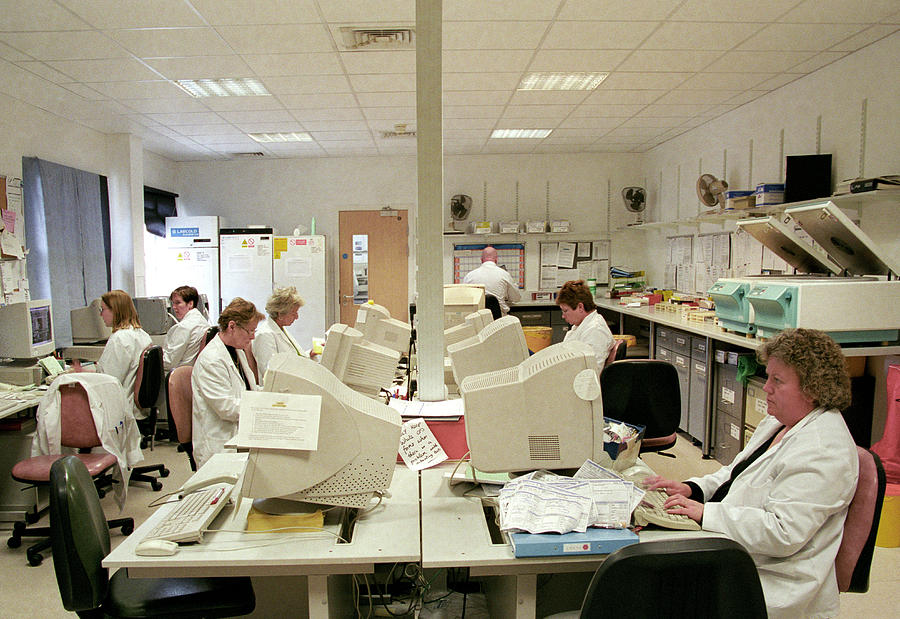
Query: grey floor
{"x": 32, "y": 591}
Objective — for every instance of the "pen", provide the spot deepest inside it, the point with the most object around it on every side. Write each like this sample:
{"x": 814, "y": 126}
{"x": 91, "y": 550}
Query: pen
{"x": 218, "y": 496}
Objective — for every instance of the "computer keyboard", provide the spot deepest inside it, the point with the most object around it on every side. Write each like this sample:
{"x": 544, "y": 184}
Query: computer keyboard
{"x": 188, "y": 521}
{"x": 651, "y": 511}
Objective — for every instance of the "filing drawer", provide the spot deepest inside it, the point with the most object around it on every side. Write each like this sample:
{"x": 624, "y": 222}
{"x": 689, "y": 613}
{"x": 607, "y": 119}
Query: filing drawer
{"x": 755, "y": 406}
{"x": 664, "y": 353}
{"x": 728, "y": 438}
{"x": 681, "y": 343}
{"x": 697, "y": 401}
{"x": 663, "y": 337}
{"x": 698, "y": 348}
{"x": 729, "y": 392}
{"x": 556, "y": 317}
{"x": 683, "y": 366}
{"x": 533, "y": 318}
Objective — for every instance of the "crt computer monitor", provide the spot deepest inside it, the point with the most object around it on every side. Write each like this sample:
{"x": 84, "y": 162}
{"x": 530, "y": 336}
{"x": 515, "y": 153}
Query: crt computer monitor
{"x": 363, "y": 366}
{"x": 87, "y": 324}
{"x": 357, "y": 444}
{"x": 153, "y": 312}
{"x": 26, "y": 330}
{"x": 375, "y": 323}
{"x": 460, "y": 300}
{"x": 544, "y": 413}
{"x": 499, "y": 345}
{"x": 474, "y": 323}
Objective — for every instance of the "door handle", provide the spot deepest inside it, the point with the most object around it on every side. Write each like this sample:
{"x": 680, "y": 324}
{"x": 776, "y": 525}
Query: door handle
{"x": 345, "y": 297}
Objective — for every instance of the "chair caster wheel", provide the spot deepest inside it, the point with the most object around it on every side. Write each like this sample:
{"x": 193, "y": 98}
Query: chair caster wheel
{"x": 35, "y": 559}
{"x": 155, "y": 486}
{"x": 14, "y": 542}
{"x": 164, "y": 473}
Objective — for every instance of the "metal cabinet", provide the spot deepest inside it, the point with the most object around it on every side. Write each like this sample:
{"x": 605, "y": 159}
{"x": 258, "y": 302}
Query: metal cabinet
{"x": 675, "y": 347}
{"x": 699, "y": 389}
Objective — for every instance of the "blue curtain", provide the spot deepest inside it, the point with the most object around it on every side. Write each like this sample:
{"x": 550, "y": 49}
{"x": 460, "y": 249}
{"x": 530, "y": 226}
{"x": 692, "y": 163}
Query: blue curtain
{"x": 67, "y": 234}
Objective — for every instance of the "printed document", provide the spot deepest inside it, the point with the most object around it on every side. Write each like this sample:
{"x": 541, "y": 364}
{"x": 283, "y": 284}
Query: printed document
{"x": 279, "y": 421}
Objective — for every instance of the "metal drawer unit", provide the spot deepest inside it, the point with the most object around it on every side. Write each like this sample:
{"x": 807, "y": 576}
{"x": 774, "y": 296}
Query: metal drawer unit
{"x": 675, "y": 347}
{"x": 699, "y": 393}
{"x": 729, "y": 413}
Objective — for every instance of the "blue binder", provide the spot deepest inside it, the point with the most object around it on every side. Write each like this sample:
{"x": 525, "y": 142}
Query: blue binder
{"x": 591, "y": 542}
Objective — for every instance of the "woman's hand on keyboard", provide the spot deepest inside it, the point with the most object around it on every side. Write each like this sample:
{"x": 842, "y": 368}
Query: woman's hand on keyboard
{"x": 679, "y": 504}
{"x": 656, "y": 482}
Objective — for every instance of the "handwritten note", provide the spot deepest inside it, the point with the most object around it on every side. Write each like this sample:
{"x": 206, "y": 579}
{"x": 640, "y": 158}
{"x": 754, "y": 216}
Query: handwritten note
{"x": 418, "y": 447}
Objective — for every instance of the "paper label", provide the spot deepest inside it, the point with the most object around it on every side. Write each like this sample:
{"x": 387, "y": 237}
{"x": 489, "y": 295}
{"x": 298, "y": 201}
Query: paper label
{"x": 586, "y": 385}
{"x": 728, "y": 395}
{"x": 576, "y": 547}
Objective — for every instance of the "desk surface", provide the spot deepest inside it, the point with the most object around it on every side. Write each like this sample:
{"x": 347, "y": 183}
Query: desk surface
{"x": 455, "y": 534}
{"x": 387, "y": 534}
{"x": 20, "y": 402}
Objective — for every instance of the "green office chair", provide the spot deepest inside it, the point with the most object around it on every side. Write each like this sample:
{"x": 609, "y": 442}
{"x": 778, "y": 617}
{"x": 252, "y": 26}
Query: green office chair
{"x": 80, "y": 540}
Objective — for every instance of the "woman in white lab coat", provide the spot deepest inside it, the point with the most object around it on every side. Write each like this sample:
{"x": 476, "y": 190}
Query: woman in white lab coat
{"x": 587, "y": 325}
{"x": 122, "y": 352}
{"x": 271, "y": 337}
{"x": 785, "y": 496}
{"x": 184, "y": 339}
{"x": 224, "y": 370}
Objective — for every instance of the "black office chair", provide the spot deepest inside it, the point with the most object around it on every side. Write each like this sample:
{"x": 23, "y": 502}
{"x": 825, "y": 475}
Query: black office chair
{"x": 644, "y": 392}
{"x": 80, "y": 540}
{"x": 146, "y": 393}
{"x": 689, "y": 578}
{"x": 210, "y": 334}
{"x": 492, "y": 303}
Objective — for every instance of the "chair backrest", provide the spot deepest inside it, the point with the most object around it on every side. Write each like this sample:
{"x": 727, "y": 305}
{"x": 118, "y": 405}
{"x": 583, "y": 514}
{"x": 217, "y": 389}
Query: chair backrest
{"x": 617, "y": 352}
{"x": 644, "y": 392}
{"x": 79, "y": 536}
{"x": 708, "y": 577}
{"x": 492, "y": 303}
{"x": 76, "y": 421}
{"x": 148, "y": 381}
{"x": 854, "y": 557}
{"x": 210, "y": 334}
{"x": 180, "y": 401}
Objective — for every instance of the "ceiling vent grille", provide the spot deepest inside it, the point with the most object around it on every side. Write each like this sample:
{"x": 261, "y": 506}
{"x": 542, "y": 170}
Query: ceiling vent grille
{"x": 400, "y": 131}
{"x": 364, "y": 39}
{"x": 248, "y": 155}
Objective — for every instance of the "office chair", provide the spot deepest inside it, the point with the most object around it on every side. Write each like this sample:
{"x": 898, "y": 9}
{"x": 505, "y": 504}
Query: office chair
{"x": 492, "y": 303}
{"x": 81, "y": 540}
{"x": 689, "y": 578}
{"x": 854, "y": 558}
{"x": 77, "y": 430}
{"x": 644, "y": 392}
{"x": 210, "y": 334}
{"x": 617, "y": 353}
{"x": 179, "y": 400}
{"x": 146, "y": 393}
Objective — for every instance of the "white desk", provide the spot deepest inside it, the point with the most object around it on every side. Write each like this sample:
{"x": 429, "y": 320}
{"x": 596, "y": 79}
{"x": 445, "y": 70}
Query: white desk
{"x": 17, "y": 500}
{"x": 388, "y": 534}
{"x": 455, "y": 534}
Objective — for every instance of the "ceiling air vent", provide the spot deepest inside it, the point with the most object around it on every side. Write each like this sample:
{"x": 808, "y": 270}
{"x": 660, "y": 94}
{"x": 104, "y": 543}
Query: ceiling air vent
{"x": 400, "y": 131}
{"x": 248, "y": 155}
{"x": 363, "y": 39}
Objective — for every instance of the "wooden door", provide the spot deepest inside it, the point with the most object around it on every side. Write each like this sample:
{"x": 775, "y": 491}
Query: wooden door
{"x": 374, "y": 257}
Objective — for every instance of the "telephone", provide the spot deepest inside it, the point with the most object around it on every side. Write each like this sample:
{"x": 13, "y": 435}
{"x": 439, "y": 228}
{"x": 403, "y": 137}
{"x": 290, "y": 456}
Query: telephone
{"x": 192, "y": 485}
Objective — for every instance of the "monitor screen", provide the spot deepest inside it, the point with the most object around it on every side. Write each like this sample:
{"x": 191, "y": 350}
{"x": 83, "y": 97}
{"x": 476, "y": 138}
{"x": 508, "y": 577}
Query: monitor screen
{"x": 41, "y": 331}
{"x": 499, "y": 345}
{"x": 87, "y": 324}
{"x": 153, "y": 312}
{"x": 460, "y": 300}
{"x": 375, "y": 323}
{"x": 26, "y": 330}
{"x": 361, "y": 365}
{"x": 544, "y": 413}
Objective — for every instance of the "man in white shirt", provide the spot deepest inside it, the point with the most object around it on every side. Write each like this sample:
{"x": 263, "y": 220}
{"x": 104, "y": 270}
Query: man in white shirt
{"x": 496, "y": 280}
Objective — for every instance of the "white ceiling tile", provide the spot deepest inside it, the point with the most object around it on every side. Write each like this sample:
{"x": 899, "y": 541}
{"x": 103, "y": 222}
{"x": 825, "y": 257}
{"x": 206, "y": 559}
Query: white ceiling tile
{"x": 110, "y": 14}
{"x": 217, "y": 129}
{"x": 266, "y": 65}
{"x": 470, "y": 123}
{"x": 548, "y": 97}
{"x": 189, "y": 118}
{"x": 337, "y": 113}
{"x": 592, "y": 124}
{"x": 236, "y": 139}
{"x": 624, "y": 80}
{"x": 592, "y": 132}
{"x": 493, "y": 35}
{"x": 555, "y": 138}
{"x": 356, "y": 12}
{"x": 379, "y": 62}
{"x": 652, "y": 122}
{"x": 799, "y": 37}
{"x": 865, "y": 37}
{"x": 84, "y": 91}
{"x": 473, "y": 111}
{"x": 384, "y": 82}
{"x": 466, "y": 134}
{"x": 306, "y": 84}
{"x": 111, "y": 70}
{"x": 730, "y": 11}
{"x": 336, "y": 125}
{"x": 760, "y": 62}
{"x": 524, "y": 123}
{"x": 698, "y": 97}
{"x": 320, "y": 100}
{"x": 555, "y": 112}
{"x": 271, "y": 116}
{"x": 277, "y": 38}
{"x": 386, "y": 99}
{"x": 817, "y": 62}
{"x": 171, "y": 42}
{"x": 341, "y": 136}
{"x": 778, "y": 81}
{"x": 841, "y": 11}
{"x": 242, "y": 104}
{"x": 479, "y": 10}
{"x": 623, "y": 97}
{"x": 668, "y": 60}
{"x": 510, "y": 146}
{"x": 618, "y": 9}
{"x": 269, "y": 127}
{"x": 598, "y": 34}
{"x": 700, "y": 35}
{"x": 547, "y": 147}
{"x": 562, "y": 60}
{"x": 164, "y": 106}
{"x": 635, "y": 132}
{"x": 392, "y": 146}
{"x": 225, "y": 12}
{"x": 608, "y": 110}
{"x": 491, "y": 61}
{"x": 742, "y": 98}
{"x": 157, "y": 89}
{"x": 390, "y": 125}
{"x": 481, "y": 81}
{"x": 44, "y": 71}
{"x": 44, "y": 15}
{"x": 476, "y": 97}
{"x": 81, "y": 45}
{"x": 682, "y": 111}
{"x": 200, "y": 67}
{"x": 11, "y": 54}
{"x": 724, "y": 81}
{"x": 396, "y": 114}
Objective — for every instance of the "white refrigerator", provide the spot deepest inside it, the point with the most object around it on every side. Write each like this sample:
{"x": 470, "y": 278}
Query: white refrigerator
{"x": 300, "y": 261}
{"x": 191, "y": 259}
{"x": 245, "y": 268}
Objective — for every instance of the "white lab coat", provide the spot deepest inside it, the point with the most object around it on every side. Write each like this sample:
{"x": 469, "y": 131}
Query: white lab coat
{"x": 496, "y": 281}
{"x": 594, "y": 331}
{"x": 113, "y": 419}
{"x": 121, "y": 357}
{"x": 184, "y": 339}
{"x": 271, "y": 339}
{"x": 788, "y": 508}
{"x": 217, "y": 390}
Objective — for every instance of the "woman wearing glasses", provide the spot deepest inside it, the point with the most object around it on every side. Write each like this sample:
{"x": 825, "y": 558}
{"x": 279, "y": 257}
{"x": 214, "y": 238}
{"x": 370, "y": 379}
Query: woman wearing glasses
{"x": 224, "y": 370}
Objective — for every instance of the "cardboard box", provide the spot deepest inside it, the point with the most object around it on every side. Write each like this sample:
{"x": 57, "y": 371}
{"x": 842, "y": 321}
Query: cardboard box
{"x": 755, "y": 407}
{"x": 559, "y": 225}
{"x": 509, "y": 227}
{"x": 482, "y": 227}
{"x": 739, "y": 200}
{"x": 769, "y": 193}
{"x": 536, "y": 226}
{"x": 624, "y": 454}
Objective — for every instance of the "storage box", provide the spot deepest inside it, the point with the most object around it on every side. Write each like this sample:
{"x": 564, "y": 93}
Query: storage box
{"x": 482, "y": 227}
{"x": 559, "y": 225}
{"x": 755, "y": 407}
{"x": 769, "y": 193}
{"x": 536, "y": 226}
{"x": 509, "y": 227}
{"x": 624, "y": 454}
{"x": 739, "y": 200}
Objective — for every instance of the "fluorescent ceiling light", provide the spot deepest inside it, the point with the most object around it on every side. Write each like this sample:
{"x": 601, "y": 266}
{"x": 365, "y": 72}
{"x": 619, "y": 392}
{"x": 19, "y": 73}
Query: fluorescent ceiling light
{"x": 291, "y": 136}
{"x": 225, "y": 87}
{"x": 561, "y": 81}
{"x": 520, "y": 133}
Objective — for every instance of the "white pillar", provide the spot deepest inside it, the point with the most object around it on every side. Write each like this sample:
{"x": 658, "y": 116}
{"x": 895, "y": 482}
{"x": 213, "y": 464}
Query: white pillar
{"x": 125, "y": 154}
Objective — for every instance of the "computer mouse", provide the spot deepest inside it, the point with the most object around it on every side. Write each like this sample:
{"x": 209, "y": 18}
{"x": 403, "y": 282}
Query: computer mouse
{"x": 156, "y": 548}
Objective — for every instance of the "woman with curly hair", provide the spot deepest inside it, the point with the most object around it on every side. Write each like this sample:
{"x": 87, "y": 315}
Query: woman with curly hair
{"x": 786, "y": 494}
